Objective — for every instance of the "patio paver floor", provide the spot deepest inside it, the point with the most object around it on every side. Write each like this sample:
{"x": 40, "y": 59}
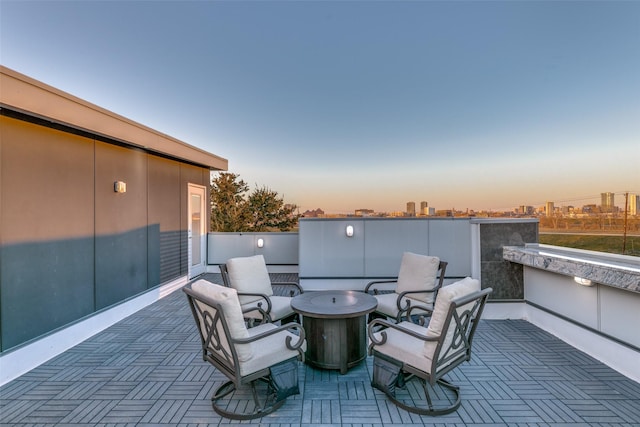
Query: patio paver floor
{"x": 147, "y": 371}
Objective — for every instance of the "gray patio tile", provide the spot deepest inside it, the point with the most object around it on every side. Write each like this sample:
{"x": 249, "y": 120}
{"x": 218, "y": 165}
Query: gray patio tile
{"x": 563, "y": 390}
{"x": 529, "y": 390}
{"x": 592, "y": 411}
{"x": 148, "y": 390}
{"x": 493, "y": 389}
{"x": 477, "y": 411}
{"x": 358, "y": 411}
{"x": 627, "y": 410}
{"x": 114, "y": 390}
{"x": 89, "y": 412}
{"x": 16, "y": 411}
{"x": 315, "y": 412}
{"x": 554, "y": 411}
{"x": 128, "y": 373}
{"x": 510, "y": 373}
{"x": 15, "y": 390}
{"x": 355, "y": 390}
{"x": 166, "y": 412}
{"x": 514, "y": 411}
{"x": 80, "y": 390}
{"x": 128, "y": 411}
{"x": 45, "y": 390}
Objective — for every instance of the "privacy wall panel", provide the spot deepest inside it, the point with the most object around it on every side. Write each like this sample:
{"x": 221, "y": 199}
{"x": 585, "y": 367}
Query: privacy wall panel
{"x": 386, "y": 241}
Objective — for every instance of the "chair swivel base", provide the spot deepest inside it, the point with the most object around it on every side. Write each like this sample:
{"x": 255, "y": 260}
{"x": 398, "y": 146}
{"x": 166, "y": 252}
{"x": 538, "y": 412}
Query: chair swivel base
{"x": 259, "y": 410}
{"x": 430, "y": 408}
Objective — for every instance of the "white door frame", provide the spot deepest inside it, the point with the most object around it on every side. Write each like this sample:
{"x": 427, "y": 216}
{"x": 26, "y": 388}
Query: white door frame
{"x": 196, "y": 230}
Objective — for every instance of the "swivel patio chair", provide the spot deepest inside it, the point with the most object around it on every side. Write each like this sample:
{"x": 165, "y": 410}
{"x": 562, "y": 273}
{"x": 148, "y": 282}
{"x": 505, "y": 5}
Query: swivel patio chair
{"x": 249, "y": 276}
{"x": 417, "y": 284}
{"x": 257, "y": 361}
{"x": 406, "y": 351}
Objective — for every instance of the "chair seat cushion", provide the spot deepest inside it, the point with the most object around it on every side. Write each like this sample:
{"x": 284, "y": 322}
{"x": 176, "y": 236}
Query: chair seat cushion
{"x": 272, "y": 349}
{"x": 388, "y": 306}
{"x": 249, "y": 275}
{"x": 405, "y": 348}
{"x": 280, "y": 307}
{"x": 418, "y": 272}
{"x": 227, "y": 298}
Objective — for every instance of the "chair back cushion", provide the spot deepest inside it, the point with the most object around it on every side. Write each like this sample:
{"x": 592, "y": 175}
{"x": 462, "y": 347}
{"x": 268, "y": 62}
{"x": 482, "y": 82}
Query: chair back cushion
{"x": 447, "y": 294}
{"x": 227, "y": 298}
{"x": 249, "y": 274}
{"x": 418, "y": 272}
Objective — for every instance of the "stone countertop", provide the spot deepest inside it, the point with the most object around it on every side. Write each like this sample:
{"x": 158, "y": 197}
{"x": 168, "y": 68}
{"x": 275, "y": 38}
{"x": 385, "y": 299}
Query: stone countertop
{"x": 618, "y": 271}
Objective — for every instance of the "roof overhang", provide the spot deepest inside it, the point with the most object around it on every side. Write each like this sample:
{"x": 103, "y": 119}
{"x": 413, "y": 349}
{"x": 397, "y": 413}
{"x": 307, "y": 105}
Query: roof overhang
{"x": 30, "y": 97}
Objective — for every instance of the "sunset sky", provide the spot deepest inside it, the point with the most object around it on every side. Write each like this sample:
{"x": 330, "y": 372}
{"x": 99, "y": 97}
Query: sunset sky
{"x": 342, "y": 105}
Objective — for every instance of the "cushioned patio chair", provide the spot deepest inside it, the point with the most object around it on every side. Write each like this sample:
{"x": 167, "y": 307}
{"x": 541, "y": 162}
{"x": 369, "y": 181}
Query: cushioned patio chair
{"x": 417, "y": 284}
{"x": 406, "y": 351}
{"x": 250, "y": 277}
{"x": 261, "y": 363}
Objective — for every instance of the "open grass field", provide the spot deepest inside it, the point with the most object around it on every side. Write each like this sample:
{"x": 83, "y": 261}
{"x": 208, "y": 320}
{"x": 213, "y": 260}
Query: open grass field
{"x": 593, "y": 242}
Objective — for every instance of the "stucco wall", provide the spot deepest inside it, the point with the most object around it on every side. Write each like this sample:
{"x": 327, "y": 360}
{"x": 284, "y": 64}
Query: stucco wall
{"x": 70, "y": 245}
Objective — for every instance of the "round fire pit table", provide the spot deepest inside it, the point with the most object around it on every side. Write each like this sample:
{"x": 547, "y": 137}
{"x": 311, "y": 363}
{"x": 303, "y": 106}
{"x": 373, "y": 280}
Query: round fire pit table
{"x": 335, "y": 325}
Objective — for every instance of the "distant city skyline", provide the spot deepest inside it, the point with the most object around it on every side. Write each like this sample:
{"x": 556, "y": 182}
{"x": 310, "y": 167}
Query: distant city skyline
{"x": 576, "y": 202}
{"x": 370, "y": 104}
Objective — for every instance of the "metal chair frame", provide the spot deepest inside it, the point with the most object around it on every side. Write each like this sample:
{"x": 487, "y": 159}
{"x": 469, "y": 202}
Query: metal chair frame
{"x": 445, "y": 359}
{"x": 265, "y": 313}
{"x": 226, "y": 359}
{"x": 404, "y": 302}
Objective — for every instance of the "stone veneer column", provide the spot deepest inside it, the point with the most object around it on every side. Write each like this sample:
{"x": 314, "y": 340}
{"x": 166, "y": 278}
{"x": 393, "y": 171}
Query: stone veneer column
{"x": 506, "y": 278}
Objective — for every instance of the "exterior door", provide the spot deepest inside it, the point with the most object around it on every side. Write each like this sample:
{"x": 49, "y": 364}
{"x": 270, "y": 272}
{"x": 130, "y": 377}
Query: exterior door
{"x": 197, "y": 231}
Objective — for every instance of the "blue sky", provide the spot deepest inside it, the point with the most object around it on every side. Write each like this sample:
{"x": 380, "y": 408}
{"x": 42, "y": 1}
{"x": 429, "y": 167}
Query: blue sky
{"x": 364, "y": 104}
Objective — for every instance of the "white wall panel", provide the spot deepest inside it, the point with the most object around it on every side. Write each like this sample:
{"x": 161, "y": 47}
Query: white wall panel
{"x": 278, "y": 249}
{"x": 222, "y": 246}
{"x": 562, "y": 295}
{"x": 620, "y": 314}
{"x": 326, "y": 251}
{"x": 450, "y": 240}
{"x": 386, "y": 241}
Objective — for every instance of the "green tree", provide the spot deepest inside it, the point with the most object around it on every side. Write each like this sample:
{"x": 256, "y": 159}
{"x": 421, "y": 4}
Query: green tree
{"x": 262, "y": 210}
{"x": 269, "y": 212}
{"x": 228, "y": 205}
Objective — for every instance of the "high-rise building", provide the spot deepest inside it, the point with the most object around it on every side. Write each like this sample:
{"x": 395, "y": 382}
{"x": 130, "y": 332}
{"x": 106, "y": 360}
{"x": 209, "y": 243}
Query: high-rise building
{"x": 607, "y": 202}
{"x": 634, "y": 204}
{"x": 424, "y": 208}
{"x": 549, "y": 209}
{"x": 411, "y": 208}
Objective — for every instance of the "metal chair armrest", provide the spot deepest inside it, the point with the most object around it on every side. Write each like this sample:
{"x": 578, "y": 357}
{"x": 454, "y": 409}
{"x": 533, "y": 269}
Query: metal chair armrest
{"x": 287, "y": 327}
{"x": 376, "y": 282}
{"x": 383, "y": 334}
{"x": 266, "y": 317}
{"x": 263, "y": 296}
{"x": 294, "y": 284}
{"x": 421, "y": 316}
{"x": 407, "y": 303}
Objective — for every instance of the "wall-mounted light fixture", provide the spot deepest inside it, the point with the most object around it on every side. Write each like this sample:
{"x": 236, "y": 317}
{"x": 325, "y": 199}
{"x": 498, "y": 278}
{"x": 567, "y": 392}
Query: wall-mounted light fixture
{"x": 260, "y": 243}
{"x": 349, "y": 231}
{"x": 120, "y": 187}
{"x": 583, "y": 282}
